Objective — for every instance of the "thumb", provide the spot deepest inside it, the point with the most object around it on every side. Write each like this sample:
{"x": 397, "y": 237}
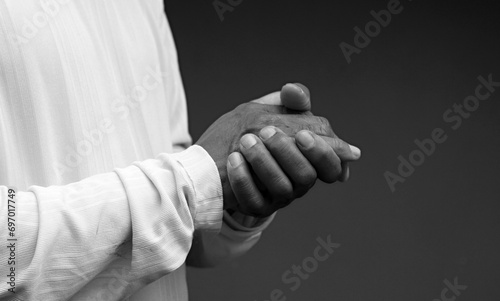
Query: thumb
{"x": 273, "y": 99}
{"x": 292, "y": 96}
{"x": 296, "y": 97}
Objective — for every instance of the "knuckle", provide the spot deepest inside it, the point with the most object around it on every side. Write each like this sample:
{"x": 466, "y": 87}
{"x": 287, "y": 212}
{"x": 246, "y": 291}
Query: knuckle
{"x": 337, "y": 144}
{"x": 256, "y": 205}
{"x": 242, "y": 187}
{"x": 324, "y": 120}
{"x": 284, "y": 190}
{"x": 253, "y": 207}
{"x": 341, "y": 148}
{"x": 236, "y": 181}
{"x": 306, "y": 178}
{"x": 279, "y": 143}
{"x": 326, "y": 155}
{"x": 257, "y": 158}
{"x": 324, "y": 126}
{"x": 263, "y": 119}
{"x": 240, "y": 183}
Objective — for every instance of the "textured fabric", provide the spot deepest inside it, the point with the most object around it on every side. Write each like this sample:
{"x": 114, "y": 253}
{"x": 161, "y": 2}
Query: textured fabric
{"x": 90, "y": 93}
{"x": 110, "y": 234}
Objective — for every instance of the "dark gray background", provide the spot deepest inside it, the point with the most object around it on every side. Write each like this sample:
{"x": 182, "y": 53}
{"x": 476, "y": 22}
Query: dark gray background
{"x": 442, "y": 223}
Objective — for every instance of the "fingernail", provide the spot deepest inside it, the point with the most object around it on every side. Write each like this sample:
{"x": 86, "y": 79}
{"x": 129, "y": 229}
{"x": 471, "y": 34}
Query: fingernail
{"x": 355, "y": 151}
{"x": 235, "y": 159}
{"x": 305, "y": 139}
{"x": 295, "y": 87}
{"x": 267, "y": 132}
{"x": 248, "y": 141}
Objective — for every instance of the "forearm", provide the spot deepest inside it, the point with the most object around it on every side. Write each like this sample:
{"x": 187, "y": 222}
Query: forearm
{"x": 69, "y": 234}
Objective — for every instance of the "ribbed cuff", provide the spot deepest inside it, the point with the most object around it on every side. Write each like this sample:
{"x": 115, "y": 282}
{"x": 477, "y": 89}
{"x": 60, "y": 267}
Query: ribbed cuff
{"x": 206, "y": 208}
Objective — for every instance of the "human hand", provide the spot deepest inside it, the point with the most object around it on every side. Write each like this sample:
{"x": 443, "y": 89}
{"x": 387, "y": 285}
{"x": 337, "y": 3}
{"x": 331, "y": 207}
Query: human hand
{"x": 297, "y": 97}
{"x": 274, "y": 169}
{"x": 223, "y": 137}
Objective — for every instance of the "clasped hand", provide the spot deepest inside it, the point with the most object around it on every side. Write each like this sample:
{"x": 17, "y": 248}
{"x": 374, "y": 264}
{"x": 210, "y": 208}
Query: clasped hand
{"x": 270, "y": 151}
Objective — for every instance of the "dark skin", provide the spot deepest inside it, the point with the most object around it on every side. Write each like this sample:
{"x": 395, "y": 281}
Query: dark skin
{"x": 272, "y": 171}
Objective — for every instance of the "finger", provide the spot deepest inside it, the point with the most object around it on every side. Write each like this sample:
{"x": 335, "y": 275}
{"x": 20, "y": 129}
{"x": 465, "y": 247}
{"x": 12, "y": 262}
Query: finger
{"x": 295, "y": 97}
{"x": 294, "y": 123}
{"x": 250, "y": 199}
{"x": 344, "y": 177}
{"x": 272, "y": 99}
{"x": 291, "y": 124}
{"x": 305, "y": 89}
{"x": 344, "y": 150}
{"x": 284, "y": 150}
{"x": 267, "y": 170}
{"x": 321, "y": 155}
{"x": 292, "y": 96}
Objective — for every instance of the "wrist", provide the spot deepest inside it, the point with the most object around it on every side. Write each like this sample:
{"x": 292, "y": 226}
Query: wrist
{"x": 245, "y": 220}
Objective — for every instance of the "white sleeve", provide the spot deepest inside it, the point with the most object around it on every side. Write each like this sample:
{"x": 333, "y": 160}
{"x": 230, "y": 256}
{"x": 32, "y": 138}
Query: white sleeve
{"x": 234, "y": 240}
{"x": 66, "y": 235}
